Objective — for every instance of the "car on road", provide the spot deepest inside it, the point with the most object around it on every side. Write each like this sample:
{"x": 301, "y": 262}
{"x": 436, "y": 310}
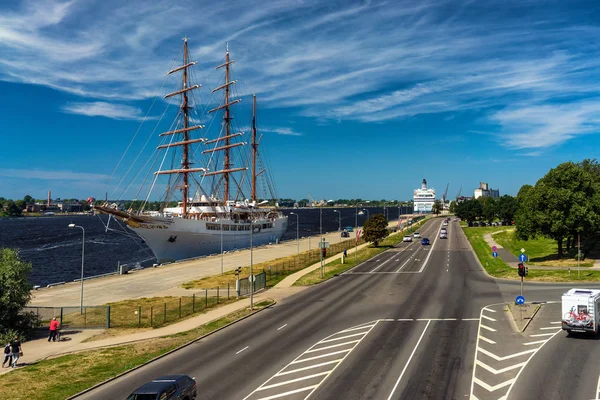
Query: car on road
{"x": 443, "y": 235}
{"x": 425, "y": 241}
{"x": 345, "y": 233}
{"x": 416, "y": 235}
{"x": 349, "y": 229}
{"x": 407, "y": 238}
{"x": 169, "y": 387}
{"x": 445, "y": 223}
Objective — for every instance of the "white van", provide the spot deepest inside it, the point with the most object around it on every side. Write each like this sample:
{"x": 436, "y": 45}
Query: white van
{"x": 581, "y": 310}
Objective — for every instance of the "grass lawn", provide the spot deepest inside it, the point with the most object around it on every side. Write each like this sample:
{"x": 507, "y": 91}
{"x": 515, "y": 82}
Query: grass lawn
{"x": 541, "y": 251}
{"x": 496, "y": 267}
{"x": 67, "y": 375}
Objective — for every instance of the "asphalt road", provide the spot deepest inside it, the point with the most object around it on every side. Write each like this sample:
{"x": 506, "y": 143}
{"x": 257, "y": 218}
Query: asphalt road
{"x": 403, "y": 325}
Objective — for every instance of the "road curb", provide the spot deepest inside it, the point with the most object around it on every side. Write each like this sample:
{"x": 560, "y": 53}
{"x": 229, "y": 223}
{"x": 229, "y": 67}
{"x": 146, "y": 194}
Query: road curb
{"x": 539, "y": 306}
{"x": 165, "y": 354}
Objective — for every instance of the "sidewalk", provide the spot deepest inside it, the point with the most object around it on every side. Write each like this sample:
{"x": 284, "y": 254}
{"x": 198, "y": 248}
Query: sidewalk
{"x": 40, "y": 349}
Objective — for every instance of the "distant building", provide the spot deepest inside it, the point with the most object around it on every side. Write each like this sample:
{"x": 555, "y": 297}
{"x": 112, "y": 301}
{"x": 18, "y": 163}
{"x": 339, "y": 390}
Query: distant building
{"x": 70, "y": 207}
{"x": 484, "y": 191}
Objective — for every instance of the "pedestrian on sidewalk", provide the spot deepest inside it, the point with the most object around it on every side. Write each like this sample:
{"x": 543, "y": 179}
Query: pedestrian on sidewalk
{"x": 7, "y": 355}
{"x": 17, "y": 352}
{"x": 53, "y": 328}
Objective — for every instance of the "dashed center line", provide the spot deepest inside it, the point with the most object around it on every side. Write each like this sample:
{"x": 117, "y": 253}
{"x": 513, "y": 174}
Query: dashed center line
{"x": 242, "y": 350}
{"x": 281, "y": 327}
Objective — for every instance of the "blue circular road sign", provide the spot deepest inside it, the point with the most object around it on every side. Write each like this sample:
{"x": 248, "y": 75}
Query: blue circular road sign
{"x": 494, "y": 254}
{"x": 522, "y": 258}
{"x": 520, "y": 300}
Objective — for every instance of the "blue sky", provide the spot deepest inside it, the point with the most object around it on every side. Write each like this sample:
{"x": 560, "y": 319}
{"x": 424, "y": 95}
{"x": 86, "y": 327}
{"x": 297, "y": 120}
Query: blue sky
{"x": 357, "y": 99}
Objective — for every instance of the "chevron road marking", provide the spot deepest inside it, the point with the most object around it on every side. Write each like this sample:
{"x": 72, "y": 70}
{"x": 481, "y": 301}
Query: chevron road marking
{"x": 534, "y": 343}
{"x": 489, "y": 309}
{"x": 493, "y": 388}
{"x": 548, "y": 328}
{"x": 542, "y": 334}
{"x": 487, "y": 340}
{"x": 508, "y": 357}
{"x": 499, "y": 371}
{"x": 488, "y": 318}
{"x": 488, "y": 328}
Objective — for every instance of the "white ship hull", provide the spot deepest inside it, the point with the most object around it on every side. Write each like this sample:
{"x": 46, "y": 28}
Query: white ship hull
{"x": 180, "y": 239}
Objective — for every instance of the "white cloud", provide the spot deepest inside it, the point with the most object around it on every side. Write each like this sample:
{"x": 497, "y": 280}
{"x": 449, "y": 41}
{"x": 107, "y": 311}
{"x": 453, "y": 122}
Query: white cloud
{"x": 367, "y": 61}
{"x": 535, "y": 127}
{"x": 280, "y": 131}
{"x": 103, "y": 109}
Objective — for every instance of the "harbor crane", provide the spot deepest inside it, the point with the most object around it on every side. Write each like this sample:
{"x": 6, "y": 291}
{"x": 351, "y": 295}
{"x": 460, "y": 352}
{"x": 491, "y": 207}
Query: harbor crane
{"x": 444, "y": 196}
{"x": 459, "y": 192}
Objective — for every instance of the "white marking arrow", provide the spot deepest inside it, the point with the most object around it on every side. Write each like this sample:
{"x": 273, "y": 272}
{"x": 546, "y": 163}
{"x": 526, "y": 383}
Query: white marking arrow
{"x": 499, "y": 371}
{"x": 493, "y": 388}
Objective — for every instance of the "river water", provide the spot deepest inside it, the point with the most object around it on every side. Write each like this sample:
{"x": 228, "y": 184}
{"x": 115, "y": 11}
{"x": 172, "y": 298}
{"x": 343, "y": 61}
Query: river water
{"x": 54, "y": 250}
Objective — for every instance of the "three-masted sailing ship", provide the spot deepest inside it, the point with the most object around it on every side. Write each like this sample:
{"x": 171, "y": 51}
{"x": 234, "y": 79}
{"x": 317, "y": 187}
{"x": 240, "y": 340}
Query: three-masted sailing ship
{"x": 213, "y": 214}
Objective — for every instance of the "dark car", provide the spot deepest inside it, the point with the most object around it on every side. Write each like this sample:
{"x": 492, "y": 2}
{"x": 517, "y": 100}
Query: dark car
{"x": 425, "y": 241}
{"x": 345, "y": 233}
{"x": 170, "y": 387}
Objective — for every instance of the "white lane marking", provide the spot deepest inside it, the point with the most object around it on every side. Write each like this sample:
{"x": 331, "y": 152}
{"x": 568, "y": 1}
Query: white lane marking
{"x": 343, "y": 337}
{"x": 550, "y": 327}
{"x": 598, "y": 389}
{"x": 489, "y": 309}
{"x": 507, "y": 395}
{"x": 387, "y": 320}
{"x": 470, "y": 319}
{"x": 534, "y": 343}
{"x": 498, "y": 371}
{"x": 488, "y": 328}
{"x": 432, "y": 247}
{"x": 405, "y": 319}
{"x": 324, "y": 375}
{"x": 402, "y": 266}
{"x": 357, "y": 328}
{"x": 486, "y": 339}
{"x": 302, "y": 378}
{"x": 332, "y": 346}
{"x": 542, "y": 334}
{"x": 309, "y": 367}
{"x": 488, "y": 318}
{"x": 408, "y": 362}
{"x": 381, "y": 265}
{"x": 242, "y": 350}
{"x": 321, "y": 356}
{"x": 556, "y": 322}
{"x": 288, "y": 393}
{"x": 281, "y": 327}
{"x": 493, "y": 388}
{"x": 498, "y": 358}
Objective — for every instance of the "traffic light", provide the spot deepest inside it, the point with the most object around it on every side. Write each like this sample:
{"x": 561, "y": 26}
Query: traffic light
{"x": 522, "y": 269}
{"x": 238, "y": 271}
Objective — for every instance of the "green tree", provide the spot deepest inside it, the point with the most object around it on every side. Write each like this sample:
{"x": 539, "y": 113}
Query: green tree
{"x": 375, "y": 229}
{"x": 15, "y": 292}
{"x": 437, "y": 207}
{"x": 452, "y": 206}
{"x": 488, "y": 209}
{"x": 12, "y": 210}
{"x": 506, "y": 208}
{"x": 560, "y": 205}
{"x": 28, "y": 199}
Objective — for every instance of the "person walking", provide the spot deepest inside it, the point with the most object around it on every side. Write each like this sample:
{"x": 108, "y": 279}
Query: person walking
{"x": 53, "y": 328}
{"x": 7, "y": 355}
{"x": 17, "y": 352}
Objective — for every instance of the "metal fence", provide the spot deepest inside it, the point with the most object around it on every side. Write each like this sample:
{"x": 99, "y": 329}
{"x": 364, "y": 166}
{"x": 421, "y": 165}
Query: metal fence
{"x": 143, "y": 313}
{"x": 89, "y": 317}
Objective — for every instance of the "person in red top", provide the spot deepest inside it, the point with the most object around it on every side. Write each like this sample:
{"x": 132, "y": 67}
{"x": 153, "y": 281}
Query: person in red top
{"x": 53, "y": 327}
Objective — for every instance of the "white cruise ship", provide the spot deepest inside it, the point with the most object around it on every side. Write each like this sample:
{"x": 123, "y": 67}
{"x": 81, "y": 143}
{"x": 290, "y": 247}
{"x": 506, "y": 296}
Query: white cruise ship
{"x": 423, "y": 198}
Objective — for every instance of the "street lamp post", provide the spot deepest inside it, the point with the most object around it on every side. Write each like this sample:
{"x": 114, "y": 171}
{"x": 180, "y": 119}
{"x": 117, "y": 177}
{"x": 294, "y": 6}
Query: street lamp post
{"x": 297, "y": 231}
{"x": 251, "y": 278}
{"x": 339, "y": 220}
{"x": 356, "y": 232}
{"x": 368, "y": 215}
{"x": 82, "y": 263}
{"x": 321, "y": 234}
{"x": 221, "y": 219}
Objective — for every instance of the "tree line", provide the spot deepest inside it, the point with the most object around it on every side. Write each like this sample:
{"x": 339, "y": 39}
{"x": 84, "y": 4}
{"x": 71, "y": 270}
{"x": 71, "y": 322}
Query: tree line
{"x": 563, "y": 205}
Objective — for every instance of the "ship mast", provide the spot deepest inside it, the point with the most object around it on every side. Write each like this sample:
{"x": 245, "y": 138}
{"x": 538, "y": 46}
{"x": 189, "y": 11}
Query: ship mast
{"x": 228, "y": 135}
{"x": 185, "y": 169}
{"x": 254, "y": 148}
